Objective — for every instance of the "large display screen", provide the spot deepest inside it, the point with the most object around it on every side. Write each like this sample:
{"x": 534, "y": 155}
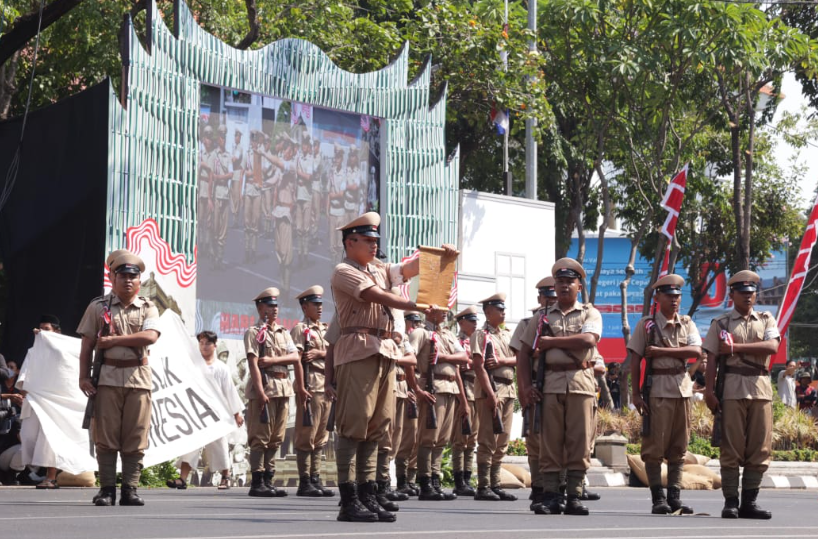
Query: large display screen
{"x": 275, "y": 179}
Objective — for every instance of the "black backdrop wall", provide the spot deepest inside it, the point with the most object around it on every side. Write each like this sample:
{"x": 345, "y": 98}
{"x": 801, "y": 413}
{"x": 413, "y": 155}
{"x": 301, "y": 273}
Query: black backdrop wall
{"x": 52, "y": 229}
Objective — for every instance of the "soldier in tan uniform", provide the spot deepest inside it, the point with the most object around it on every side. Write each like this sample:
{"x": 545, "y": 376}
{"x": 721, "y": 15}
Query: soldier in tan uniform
{"x": 463, "y": 444}
{"x": 404, "y": 425}
{"x": 364, "y": 363}
{"x": 412, "y": 321}
{"x": 253, "y": 197}
{"x": 569, "y": 395}
{"x": 439, "y": 354}
{"x": 239, "y": 158}
{"x": 204, "y": 198}
{"x": 749, "y": 339}
{"x": 122, "y": 417}
{"x": 220, "y": 176}
{"x": 335, "y": 200}
{"x": 268, "y": 391}
{"x": 666, "y": 340}
{"x": 303, "y": 199}
{"x": 308, "y": 336}
{"x": 546, "y": 296}
{"x": 493, "y": 361}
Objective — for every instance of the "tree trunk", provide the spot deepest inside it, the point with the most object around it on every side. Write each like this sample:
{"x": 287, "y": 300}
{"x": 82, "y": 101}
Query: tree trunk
{"x": 744, "y": 260}
{"x": 600, "y": 245}
{"x": 657, "y": 264}
{"x": 738, "y": 210}
{"x": 252, "y": 20}
{"x": 8, "y": 86}
{"x": 25, "y": 27}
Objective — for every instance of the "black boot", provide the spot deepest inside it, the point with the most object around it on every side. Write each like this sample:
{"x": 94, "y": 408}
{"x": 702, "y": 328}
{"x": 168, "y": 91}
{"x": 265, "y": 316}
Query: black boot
{"x": 588, "y": 496}
{"x": 366, "y": 492}
{"x": 105, "y": 496}
{"x": 574, "y": 507}
{"x": 382, "y": 500}
{"x": 548, "y": 504}
{"x": 404, "y": 488}
{"x": 469, "y": 491}
{"x": 674, "y": 495}
{"x": 257, "y": 487}
{"x": 306, "y": 488}
{"x": 486, "y": 494}
{"x": 461, "y": 486}
{"x": 561, "y": 498}
{"x": 537, "y": 496}
{"x": 730, "y": 509}
{"x": 660, "y": 505}
{"x": 315, "y": 479}
{"x": 128, "y": 496}
{"x": 427, "y": 492}
{"x": 268, "y": 482}
{"x": 352, "y": 510}
{"x": 448, "y": 496}
{"x": 385, "y": 489}
{"x": 503, "y": 495}
{"x": 749, "y": 508}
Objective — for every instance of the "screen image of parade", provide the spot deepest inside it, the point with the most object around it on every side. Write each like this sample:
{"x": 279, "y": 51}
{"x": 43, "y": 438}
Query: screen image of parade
{"x": 275, "y": 179}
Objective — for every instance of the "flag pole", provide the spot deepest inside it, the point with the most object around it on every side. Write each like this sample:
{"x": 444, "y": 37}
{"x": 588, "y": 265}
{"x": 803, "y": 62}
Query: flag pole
{"x": 506, "y": 175}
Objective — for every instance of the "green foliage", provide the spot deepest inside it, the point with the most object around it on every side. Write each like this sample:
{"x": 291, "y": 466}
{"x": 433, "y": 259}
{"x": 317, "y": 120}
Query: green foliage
{"x": 517, "y": 448}
{"x": 446, "y": 474}
{"x": 156, "y": 476}
{"x": 701, "y": 446}
{"x": 796, "y": 455}
{"x": 633, "y": 449}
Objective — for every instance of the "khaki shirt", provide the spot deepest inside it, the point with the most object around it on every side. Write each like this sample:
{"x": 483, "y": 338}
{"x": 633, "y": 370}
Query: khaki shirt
{"x": 220, "y": 163}
{"x": 317, "y": 342}
{"x": 447, "y": 343}
{"x": 516, "y": 337}
{"x": 140, "y": 315}
{"x": 757, "y": 327}
{"x": 576, "y": 320}
{"x": 278, "y": 343}
{"x": 676, "y": 333}
{"x": 500, "y": 340}
{"x": 466, "y": 373}
{"x": 349, "y": 281}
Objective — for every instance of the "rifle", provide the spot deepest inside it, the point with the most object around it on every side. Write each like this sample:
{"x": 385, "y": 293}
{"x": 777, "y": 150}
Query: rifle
{"x": 715, "y": 436}
{"x": 431, "y": 416}
{"x": 465, "y": 425}
{"x": 307, "y": 418}
{"x": 412, "y": 408}
{"x": 497, "y": 421}
{"x": 96, "y": 369}
{"x": 545, "y": 328}
{"x": 650, "y": 326}
{"x": 261, "y": 338}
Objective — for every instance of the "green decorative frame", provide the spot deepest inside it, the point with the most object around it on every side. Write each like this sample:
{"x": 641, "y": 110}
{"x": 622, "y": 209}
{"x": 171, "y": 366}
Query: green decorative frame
{"x": 153, "y": 125}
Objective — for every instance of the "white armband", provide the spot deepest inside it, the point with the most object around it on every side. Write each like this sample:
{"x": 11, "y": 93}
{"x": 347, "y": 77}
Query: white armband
{"x": 291, "y": 348}
{"x": 395, "y": 275}
{"x": 151, "y": 323}
{"x": 458, "y": 347}
{"x": 590, "y": 327}
{"x": 694, "y": 340}
{"x": 771, "y": 333}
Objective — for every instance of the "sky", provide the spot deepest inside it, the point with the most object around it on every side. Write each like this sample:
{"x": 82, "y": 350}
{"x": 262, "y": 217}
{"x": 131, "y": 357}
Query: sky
{"x": 792, "y": 102}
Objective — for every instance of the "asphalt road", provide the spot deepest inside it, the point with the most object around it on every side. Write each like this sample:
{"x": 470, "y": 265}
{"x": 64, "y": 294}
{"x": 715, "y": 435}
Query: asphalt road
{"x": 205, "y": 513}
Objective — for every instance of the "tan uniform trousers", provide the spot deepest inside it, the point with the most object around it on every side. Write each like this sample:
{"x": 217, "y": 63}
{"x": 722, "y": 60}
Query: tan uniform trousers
{"x": 336, "y": 245}
{"x": 222, "y": 215}
{"x": 283, "y": 235}
{"x": 252, "y": 216}
{"x": 669, "y": 431}
{"x": 568, "y": 427}
{"x": 748, "y": 434}
{"x": 203, "y": 223}
{"x": 315, "y": 212}
{"x": 532, "y": 446}
{"x": 235, "y": 193}
{"x": 404, "y": 437}
{"x": 462, "y": 443}
{"x": 366, "y": 398}
{"x": 431, "y": 442}
{"x": 264, "y": 439}
{"x": 122, "y": 420}
{"x": 303, "y": 221}
{"x": 491, "y": 448}
{"x": 311, "y": 438}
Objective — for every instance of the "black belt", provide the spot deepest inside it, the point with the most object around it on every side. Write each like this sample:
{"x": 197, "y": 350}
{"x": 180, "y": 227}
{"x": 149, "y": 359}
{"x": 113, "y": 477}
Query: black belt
{"x": 400, "y": 377}
{"x": 278, "y": 375}
{"x": 500, "y": 380}
{"x": 316, "y": 369}
{"x": 564, "y": 367}
{"x": 669, "y": 371}
{"x": 124, "y": 363}
{"x": 746, "y": 371}
{"x": 375, "y": 332}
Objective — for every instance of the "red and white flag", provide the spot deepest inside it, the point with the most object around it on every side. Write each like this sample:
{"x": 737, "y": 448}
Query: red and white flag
{"x": 799, "y": 272}
{"x": 672, "y": 202}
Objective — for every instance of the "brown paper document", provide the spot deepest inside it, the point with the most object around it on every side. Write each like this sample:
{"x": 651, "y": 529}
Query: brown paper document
{"x": 436, "y": 276}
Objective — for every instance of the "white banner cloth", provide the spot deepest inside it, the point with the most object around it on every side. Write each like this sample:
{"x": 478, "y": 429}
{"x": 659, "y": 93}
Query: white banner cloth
{"x": 188, "y": 412}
